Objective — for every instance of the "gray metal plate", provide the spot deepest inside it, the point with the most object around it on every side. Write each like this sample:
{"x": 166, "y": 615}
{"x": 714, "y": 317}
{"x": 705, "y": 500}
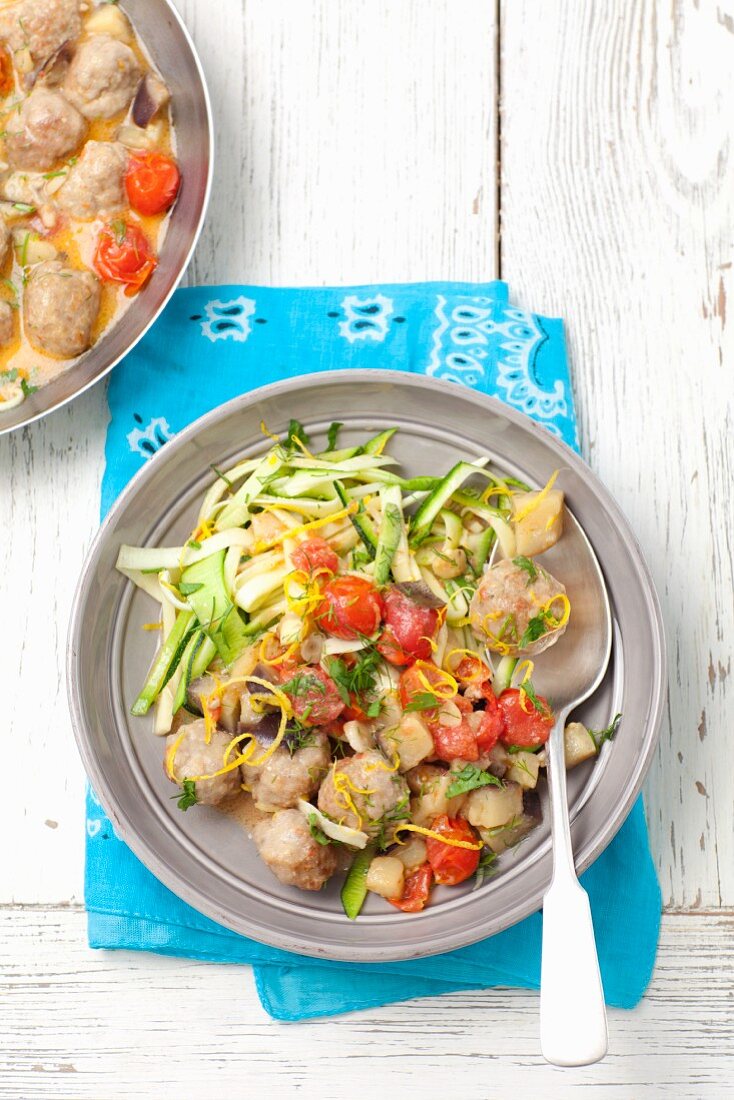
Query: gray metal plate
{"x": 206, "y": 858}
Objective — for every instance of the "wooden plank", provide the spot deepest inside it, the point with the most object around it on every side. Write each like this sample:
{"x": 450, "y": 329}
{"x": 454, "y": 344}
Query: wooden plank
{"x": 81, "y": 1024}
{"x": 617, "y": 213}
{"x": 352, "y": 145}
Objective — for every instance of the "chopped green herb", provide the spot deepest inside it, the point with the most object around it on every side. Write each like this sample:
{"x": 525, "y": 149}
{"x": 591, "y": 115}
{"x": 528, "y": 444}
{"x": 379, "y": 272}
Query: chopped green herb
{"x": 469, "y": 779}
{"x": 54, "y": 175}
{"x": 23, "y": 259}
{"x": 514, "y": 749}
{"x": 296, "y": 431}
{"x": 316, "y": 831}
{"x": 357, "y": 679}
{"x": 536, "y": 628}
{"x": 529, "y": 690}
{"x": 485, "y": 867}
{"x": 194, "y": 544}
{"x": 373, "y": 710}
{"x": 188, "y": 796}
{"x": 27, "y": 388}
{"x": 188, "y": 589}
{"x": 332, "y": 434}
{"x": 302, "y": 683}
{"x": 24, "y": 208}
{"x": 529, "y": 566}
{"x": 9, "y": 375}
{"x": 220, "y": 475}
{"x": 119, "y": 228}
{"x": 600, "y": 736}
{"x": 422, "y": 700}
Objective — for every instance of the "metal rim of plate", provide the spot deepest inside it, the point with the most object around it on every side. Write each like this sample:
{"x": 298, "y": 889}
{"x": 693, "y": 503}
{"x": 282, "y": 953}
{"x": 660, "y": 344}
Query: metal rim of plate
{"x": 173, "y": 53}
{"x": 205, "y": 858}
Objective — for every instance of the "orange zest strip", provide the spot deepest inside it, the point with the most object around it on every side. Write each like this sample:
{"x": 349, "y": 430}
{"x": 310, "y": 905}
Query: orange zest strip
{"x": 409, "y": 828}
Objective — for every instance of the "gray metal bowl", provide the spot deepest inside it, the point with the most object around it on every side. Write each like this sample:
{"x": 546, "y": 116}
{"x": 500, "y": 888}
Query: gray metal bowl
{"x": 205, "y": 858}
{"x": 167, "y": 40}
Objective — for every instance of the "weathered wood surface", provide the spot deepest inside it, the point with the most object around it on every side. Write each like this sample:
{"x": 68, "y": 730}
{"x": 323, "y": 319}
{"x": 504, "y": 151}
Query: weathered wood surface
{"x": 618, "y": 213}
{"x": 359, "y": 143}
{"x": 87, "y": 1025}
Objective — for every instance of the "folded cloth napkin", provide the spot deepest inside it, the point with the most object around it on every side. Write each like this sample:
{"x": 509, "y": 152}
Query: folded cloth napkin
{"x": 212, "y": 344}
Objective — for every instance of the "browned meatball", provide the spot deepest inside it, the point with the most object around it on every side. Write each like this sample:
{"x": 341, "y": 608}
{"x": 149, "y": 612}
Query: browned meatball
{"x": 510, "y": 598}
{"x": 102, "y": 77}
{"x": 40, "y": 26}
{"x": 95, "y": 184}
{"x": 285, "y": 843}
{"x": 60, "y": 307}
{"x": 194, "y": 757}
{"x": 363, "y": 792}
{"x": 283, "y": 779}
{"x": 46, "y": 129}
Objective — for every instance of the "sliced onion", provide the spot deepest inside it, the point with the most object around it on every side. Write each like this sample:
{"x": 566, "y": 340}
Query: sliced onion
{"x": 355, "y": 838}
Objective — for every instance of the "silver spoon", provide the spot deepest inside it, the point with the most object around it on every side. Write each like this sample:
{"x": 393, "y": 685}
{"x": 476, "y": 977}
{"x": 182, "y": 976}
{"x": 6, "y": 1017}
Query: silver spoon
{"x": 573, "y": 1021}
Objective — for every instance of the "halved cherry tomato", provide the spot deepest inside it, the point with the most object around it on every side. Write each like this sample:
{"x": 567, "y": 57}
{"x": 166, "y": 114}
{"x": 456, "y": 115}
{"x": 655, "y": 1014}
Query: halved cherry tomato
{"x": 351, "y": 607}
{"x": 457, "y": 742}
{"x": 472, "y": 671}
{"x": 7, "y": 82}
{"x": 416, "y": 890}
{"x": 491, "y": 725}
{"x": 313, "y": 694}
{"x": 152, "y": 181}
{"x": 452, "y": 865}
{"x": 124, "y": 255}
{"x": 315, "y": 556}
{"x": 409, "y": 629}
{"x": 523, "y": 724}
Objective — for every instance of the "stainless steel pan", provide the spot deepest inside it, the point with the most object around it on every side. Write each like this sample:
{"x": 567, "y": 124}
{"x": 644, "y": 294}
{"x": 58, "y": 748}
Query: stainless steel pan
{"x": 173, "y": 53}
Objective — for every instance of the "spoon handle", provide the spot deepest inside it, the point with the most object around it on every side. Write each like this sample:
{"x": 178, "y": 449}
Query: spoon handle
{"x": 573, "y": 1021}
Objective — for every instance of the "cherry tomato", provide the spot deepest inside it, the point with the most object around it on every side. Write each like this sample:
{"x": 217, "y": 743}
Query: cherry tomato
{"x": 124, "y": 255}
{"x": 473, "y": 671}
{"x": 351, "y": 607}
{"x": 416, "y": 890}
{"x": 152, "y": 181}
{"x": 491, "y": 724}
{"x": 391, "y": 651}
{"x": 313, "y": 694}
{"x": 523, "y": 724}
{"x": 409, "y": 628}
{"x": 413, "y": 681}
{"x": 455, "y": 742}
{"x": 7, "y": 82}
{"x": 452, "y": 865}
{"x": 315, "y": 556}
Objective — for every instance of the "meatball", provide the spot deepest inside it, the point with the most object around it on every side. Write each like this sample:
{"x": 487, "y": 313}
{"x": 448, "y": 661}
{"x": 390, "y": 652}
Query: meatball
{"x": 513, "y": 610}
{"x": 7, "y": 325}
{"x": 41, "y": 26}
{"x": 194, "y": 756}
{"x": 95, "y": 184}
{"x": 60, "y": 307}
{"x": 283, "y": 779}
{"x": 46, "y": 129}
{"x": 367, "y": 784}
{"x": 102, "y": 77}
{"x": 285, "y": 843}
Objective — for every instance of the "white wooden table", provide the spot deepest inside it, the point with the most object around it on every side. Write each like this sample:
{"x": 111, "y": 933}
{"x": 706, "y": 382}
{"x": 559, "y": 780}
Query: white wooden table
{"x": 584, "y": 152}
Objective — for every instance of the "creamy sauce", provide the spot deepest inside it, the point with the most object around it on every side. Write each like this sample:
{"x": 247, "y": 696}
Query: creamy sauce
{"x": 76, "y": 241}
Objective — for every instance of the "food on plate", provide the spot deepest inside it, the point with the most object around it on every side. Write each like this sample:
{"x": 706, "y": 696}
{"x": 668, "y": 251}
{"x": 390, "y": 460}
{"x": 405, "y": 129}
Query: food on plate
{"x": 89, "y": 176}
{"x": 346, "y": 651}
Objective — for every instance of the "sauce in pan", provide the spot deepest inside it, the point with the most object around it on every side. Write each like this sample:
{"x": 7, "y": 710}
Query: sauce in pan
{"x": 87, "y": 179}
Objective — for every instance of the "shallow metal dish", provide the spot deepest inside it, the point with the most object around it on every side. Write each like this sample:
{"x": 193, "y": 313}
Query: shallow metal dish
{"x": 165, "y": 37}
{"x": 205, "y": 858}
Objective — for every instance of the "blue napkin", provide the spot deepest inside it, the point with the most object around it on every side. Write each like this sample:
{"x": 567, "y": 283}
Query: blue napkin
{"x": 212, "y": 344}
